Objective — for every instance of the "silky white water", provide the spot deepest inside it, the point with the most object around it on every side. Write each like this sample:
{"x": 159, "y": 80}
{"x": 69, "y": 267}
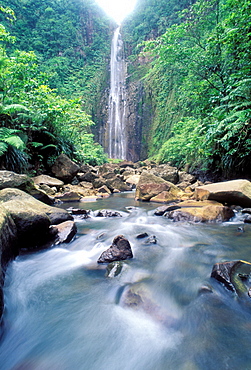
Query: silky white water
{"x": 117, "y": 100}
{"x": 64, "y": 313}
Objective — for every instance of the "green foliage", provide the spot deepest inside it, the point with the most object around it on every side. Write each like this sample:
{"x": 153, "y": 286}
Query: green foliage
{"x": 46, "y": 123}
{"x": 201, "y": 73}
{"x": 12, "y": 154}
{"x": 186, "y": 144}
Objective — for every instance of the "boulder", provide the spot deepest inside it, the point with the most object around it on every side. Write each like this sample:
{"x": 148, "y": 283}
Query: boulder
{"x": 235, "y": 192}
{"x": 84, "y": 213}
{"x": 64, "y": 169}
{"x": 16, "y": 201}
{"x": 133, "y": 180}
{"x": 150, "y": 186}
{"x": 166, "y": 172}
{"x": 9, "y": 179}
{"x": 48, "y": 190}
{"x": 65, "y": 231}
{"x": 69, "y": 196}
{"x": 86, "y": 185}
{"x": 107, "y": 213}
{"x": 99, "y": 182}
{"x": 165, "y": 197}
{"x": 103, "y": 191}
{"x": 48, "y": 180}
{"x": 186, "y": 177}
{"x": 118, "y": 251}
{"x": 8, "y": 247}
{"x": 234, "y": 275}
{"x": 114, "y": 269}
{"x": 125, "y": 164}
{"x": 87, "y": 177}
{"x": 204, "y": 212}
{"x": 117, "y": 183}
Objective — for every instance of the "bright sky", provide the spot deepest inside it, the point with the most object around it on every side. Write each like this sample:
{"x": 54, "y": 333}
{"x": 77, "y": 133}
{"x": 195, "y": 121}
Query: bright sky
{"x": 117, "y": 9}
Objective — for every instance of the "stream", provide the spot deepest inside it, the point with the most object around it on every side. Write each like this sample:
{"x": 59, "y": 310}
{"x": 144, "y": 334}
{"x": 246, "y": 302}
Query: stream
{"x": 63, "y": 311}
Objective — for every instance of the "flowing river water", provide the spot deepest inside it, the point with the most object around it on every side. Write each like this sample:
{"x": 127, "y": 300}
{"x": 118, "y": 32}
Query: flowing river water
{"x": 64, "y": 313}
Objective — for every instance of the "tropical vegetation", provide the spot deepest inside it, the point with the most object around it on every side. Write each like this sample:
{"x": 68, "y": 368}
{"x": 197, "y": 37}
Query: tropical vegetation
{"x": 37, "y": 123}
{"x": 199, "y": 78}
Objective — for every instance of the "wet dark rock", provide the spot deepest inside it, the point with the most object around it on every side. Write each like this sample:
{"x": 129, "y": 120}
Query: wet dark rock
{"x": 142, "y": 236}
{"x": 114, "y": 269}
{"x": 107, "y": 213}
{"x": 233, "y": 275}
{"x": 247, "y": 219}
{"x": 160, "y": 211}
{"x": 85, "y": 213}
{"x": 118, "y": 251}
{"x": 151, "y": 240}
{"x": 246, "y": 210}
{"x": 205, "y": 289}
{"x": 65, "y": 231}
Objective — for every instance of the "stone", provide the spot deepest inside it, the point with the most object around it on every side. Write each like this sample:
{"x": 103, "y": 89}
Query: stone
{"x": 164, "y": 197}
{"x": 166, "y": 172}
{"x": 118, "y": 251}
{"x": 125, "y": 164}
{"x": 186, "y": 177}
{"x": 210, "y": 213}
{"x": 99, "y": 182}
{"x": 48, "y": 180}
{"x": 150, "y": 186}
{"x": 132, "y": 180}
{"x": 234, "y": 192}
{"x": 104, "y": 192}
{"x": 8, "y": 247}
{"x": 79, "y": 212}
{"x": 48, "y": 190}
{"x": 65, "y": 231}
{"x": 234, "y": 275}
{"x": 107, "y": 213}
{"x": 247, "y": 219}
{"x": 117, "y": 183}
{"x": 142, "y": 236}
{"x": 69, "y": 196}
{"x": 114, "y": 269}
{"x": 87, "y": 177}
{"x": 160, "y": 211}
{"x": 86, "y": 185}
{"x": 9, "y": 179}
{"x": 85, "y": 168}
{"x": 150, "y": 240}
{"x": 15, "y": 201}
{"x": 64, "y": 169}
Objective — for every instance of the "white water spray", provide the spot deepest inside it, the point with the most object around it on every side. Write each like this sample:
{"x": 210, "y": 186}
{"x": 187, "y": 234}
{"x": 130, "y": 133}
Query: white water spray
{"x": 117, "y": 100}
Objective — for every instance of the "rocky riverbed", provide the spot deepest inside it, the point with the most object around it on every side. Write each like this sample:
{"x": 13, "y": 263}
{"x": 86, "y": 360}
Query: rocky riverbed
{"x": 31, "y": 217}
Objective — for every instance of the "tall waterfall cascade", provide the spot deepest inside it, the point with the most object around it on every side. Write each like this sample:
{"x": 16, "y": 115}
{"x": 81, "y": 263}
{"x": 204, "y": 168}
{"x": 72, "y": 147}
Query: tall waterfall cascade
{"x": 117, "y": 138}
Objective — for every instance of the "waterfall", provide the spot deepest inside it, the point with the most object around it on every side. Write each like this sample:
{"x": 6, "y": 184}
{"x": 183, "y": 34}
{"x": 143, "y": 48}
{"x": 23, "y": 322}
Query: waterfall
{"x": 117, "y": 141}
